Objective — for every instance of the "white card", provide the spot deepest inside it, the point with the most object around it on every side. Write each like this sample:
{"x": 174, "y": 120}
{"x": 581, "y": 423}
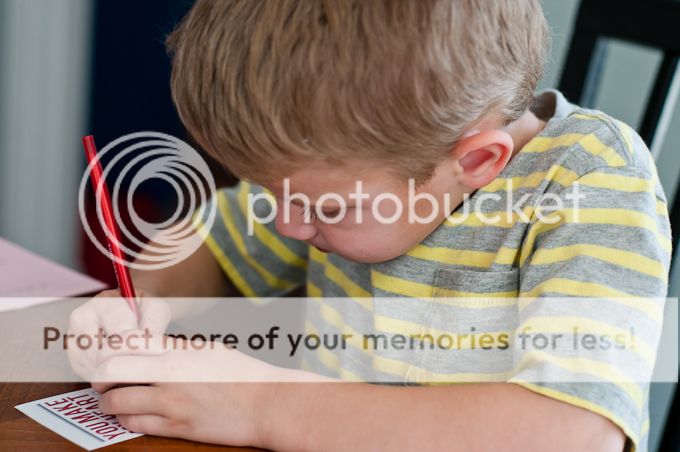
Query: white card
{"x": 76, "y": 416}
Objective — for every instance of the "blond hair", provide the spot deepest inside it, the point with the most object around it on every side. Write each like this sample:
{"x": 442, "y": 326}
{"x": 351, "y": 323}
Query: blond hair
{"x": 268, "y": 87}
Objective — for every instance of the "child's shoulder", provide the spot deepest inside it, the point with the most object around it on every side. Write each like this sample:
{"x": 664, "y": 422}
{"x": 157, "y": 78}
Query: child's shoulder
{"x": 594, "y": 140}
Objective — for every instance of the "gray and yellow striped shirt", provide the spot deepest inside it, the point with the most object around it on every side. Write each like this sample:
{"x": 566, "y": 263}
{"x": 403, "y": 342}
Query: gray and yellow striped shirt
{"x": 613, "y": 247}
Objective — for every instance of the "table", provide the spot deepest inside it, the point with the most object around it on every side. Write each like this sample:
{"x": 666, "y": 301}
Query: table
{"x": 21, "y": 433}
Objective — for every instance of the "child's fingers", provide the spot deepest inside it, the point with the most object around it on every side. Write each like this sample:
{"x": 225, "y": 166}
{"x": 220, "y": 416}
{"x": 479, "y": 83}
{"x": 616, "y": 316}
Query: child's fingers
{"x": 89, "y": 323}
{"x": 135, "y": 342}
{"x": 114, "y": 314}
{"x": 133, "y": 400}
{"x": 129, "y": 369}
{"x": 83, "y": 322}
{"x": 150, "y": 424}
{"x": 154, "y": 314}
{"x": 101, "y": 387}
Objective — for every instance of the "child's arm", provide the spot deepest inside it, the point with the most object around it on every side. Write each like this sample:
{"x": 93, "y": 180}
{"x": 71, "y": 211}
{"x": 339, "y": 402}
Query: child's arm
{"x": 491, "y": 416}
{"x": 353, "y": 416}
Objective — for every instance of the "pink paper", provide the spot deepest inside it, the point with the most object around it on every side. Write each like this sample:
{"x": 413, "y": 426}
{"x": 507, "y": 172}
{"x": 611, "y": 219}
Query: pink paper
{"x": 24, "y": 274}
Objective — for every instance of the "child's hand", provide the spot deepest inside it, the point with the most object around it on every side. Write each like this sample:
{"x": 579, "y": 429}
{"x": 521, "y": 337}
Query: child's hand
{"x": 204, "y": 409}
{"x": 108, "y": 314}
{"x": 218, "y": 413}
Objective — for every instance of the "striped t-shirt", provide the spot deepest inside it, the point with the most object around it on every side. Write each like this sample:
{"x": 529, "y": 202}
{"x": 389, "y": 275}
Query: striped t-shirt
{"x": 611, "y": 244}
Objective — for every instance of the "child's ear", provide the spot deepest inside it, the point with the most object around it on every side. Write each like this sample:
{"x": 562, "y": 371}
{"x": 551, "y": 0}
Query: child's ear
{"x": 479, "y": 158}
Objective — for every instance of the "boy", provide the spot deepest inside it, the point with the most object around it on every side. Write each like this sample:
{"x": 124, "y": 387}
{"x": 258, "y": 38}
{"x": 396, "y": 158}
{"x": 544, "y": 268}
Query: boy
{"x": 311, "y": 97}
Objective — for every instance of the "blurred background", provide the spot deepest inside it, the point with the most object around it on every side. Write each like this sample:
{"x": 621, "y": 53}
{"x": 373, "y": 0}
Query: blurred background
{"x": 73, "y": 67}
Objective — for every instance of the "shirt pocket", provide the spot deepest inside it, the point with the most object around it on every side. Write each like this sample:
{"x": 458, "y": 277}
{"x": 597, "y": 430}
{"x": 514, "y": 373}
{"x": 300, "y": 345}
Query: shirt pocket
{"x": 458, "y": 283}
{"x": 478, "y": 310}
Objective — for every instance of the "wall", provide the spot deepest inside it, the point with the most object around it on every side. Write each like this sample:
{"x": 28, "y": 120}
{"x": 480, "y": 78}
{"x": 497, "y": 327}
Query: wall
{"x": 44, "y": 46}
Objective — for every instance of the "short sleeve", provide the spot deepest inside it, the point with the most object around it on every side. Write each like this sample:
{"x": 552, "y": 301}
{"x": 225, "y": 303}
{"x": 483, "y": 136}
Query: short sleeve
{"x": 594, "y": 275}
{"x": 258, "y": 261}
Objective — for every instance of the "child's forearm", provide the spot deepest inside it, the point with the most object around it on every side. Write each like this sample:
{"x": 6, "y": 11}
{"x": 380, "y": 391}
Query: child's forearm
{"x": 492, "y": 416}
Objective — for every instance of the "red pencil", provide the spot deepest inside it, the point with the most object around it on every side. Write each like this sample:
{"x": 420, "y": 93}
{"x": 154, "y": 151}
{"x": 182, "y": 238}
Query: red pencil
{"x": 112, "y": 235}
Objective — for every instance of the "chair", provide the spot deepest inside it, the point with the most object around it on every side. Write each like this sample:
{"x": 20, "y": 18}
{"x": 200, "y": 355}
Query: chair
{"x": 654, "y": 23}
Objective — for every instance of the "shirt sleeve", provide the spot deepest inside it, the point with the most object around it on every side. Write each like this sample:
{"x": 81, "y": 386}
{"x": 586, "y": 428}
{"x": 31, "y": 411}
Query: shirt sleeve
{"x": 258, "y": 261}
{"x": 594, "y": 275}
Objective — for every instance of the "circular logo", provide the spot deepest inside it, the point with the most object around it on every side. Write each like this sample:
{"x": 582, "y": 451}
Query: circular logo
{"x": 146, "y": 156}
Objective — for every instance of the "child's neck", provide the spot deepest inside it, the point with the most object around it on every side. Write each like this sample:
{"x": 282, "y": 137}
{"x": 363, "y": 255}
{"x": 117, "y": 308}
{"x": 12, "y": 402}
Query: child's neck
{"x": 523, "y": 130}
